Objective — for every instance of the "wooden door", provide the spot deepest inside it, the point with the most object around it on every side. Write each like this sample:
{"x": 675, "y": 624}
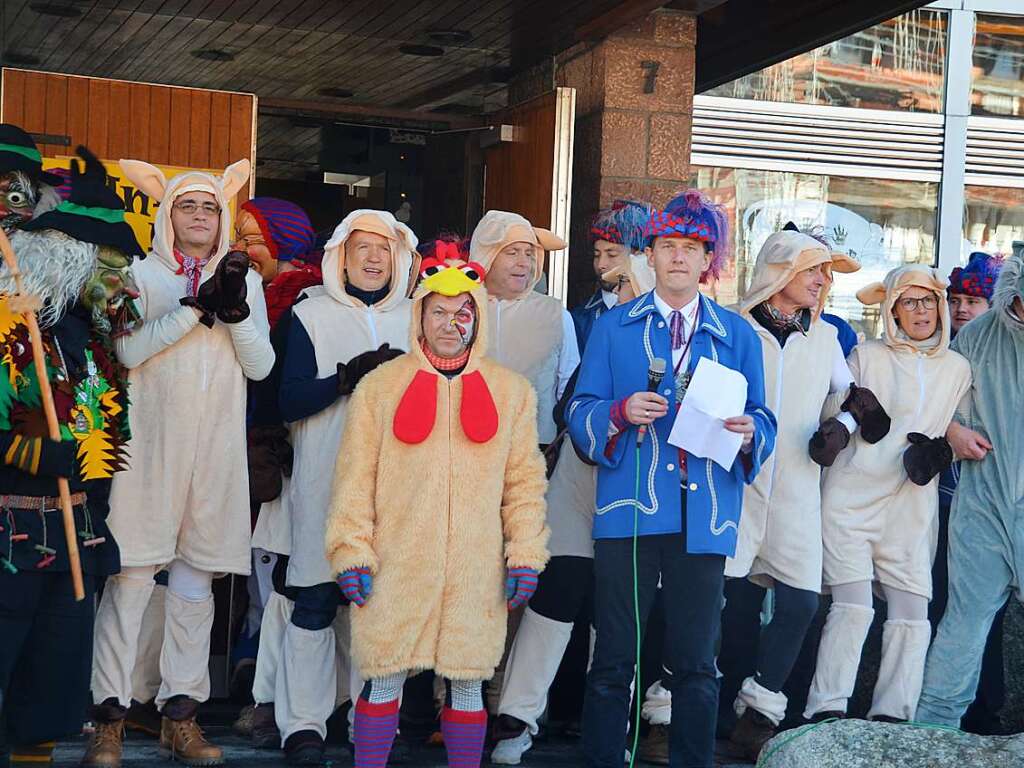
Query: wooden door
{"x": 532, "y": 174}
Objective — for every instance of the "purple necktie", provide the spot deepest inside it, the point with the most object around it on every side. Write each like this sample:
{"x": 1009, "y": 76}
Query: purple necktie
{"x": 675, "y": 329}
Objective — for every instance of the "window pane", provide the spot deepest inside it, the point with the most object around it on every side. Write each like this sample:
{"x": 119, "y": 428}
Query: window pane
{"x": 993, "y": 219}
{"x": 998, "y": 72}
{"x": 883, "y": 223}
{"x": 898, "y": 64}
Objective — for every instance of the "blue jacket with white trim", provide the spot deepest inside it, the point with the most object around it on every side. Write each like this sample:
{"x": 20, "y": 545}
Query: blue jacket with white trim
{"x": 621, "y": 346}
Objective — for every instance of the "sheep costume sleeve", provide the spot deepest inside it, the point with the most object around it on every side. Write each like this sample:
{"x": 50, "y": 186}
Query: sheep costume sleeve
{"x": 349, "y": 539}
{"x": 523, "y": 511}
{"x": 251, "y": 337}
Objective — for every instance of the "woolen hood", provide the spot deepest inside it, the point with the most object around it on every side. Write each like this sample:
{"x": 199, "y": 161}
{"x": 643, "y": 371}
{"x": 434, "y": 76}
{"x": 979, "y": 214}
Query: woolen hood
{"x": 498, "y": 229}
{"x": 889, "y": 291}
{"x": 152, "y": 181}
{"x": 1009, "y": 286}
{"x": 401, "y": 241}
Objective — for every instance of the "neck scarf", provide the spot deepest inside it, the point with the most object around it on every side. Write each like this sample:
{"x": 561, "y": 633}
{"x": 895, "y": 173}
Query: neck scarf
{"x": 798, "y": 321}
{"x": 192, "y": 269}
{"x": 445, "y": 364}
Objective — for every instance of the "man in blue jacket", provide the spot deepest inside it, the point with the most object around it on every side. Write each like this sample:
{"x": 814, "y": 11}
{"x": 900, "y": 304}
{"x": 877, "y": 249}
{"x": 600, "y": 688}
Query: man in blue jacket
{"x": 682, "y": 510}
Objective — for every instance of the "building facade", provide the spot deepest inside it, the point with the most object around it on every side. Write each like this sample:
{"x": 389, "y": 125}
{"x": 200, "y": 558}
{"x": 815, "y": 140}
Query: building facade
{"x": 902, "y": 143}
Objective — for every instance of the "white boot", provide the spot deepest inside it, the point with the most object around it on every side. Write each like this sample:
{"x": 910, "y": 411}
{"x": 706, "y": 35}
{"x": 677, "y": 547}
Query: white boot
{"x": 306, "y": 681}
{"x": 532, "y": 665}
{"x": 755, "y": 696}
{"x": 904, "y": 648}
{"x": 835, "y": 672}
{"x": 185, "y": 658}
{"x": 146, "y": 673}
{"x": 116, "y": 643}
{"x": 276, "y": 615}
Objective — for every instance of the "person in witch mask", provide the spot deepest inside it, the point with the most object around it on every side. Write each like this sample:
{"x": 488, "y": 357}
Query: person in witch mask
{"x": 26, "y": 190}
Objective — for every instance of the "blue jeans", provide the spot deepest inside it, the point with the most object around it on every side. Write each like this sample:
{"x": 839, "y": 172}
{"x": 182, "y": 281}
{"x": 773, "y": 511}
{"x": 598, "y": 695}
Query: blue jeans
{"x": 692, "y": 593}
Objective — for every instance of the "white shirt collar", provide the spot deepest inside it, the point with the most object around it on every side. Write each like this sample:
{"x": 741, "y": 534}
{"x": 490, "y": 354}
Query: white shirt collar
{"x": 609, "y": 298}
{"x": 689, "y": 311}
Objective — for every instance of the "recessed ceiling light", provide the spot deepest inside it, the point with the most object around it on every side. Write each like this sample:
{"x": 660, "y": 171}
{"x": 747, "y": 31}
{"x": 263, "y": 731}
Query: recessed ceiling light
{"x": 213, "y": 54}
{"x": 412, "y": 49}
{"x": 55, "y": 9}
{"x": 21, "y": 59}
{"x": 449, "y": 36}
{"x": 336, "y": 93}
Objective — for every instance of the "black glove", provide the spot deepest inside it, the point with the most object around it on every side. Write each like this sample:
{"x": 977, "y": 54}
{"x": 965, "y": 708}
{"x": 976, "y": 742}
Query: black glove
{"x": 871, "y": 417}
{"x": 56, "y": 459}
{"x": 926, "y": 457}
{"x": 270, "y": 458}
{"x": 223, "y": 295}
{"x": 832, "y": 436}
{"x": 350, "y": 373}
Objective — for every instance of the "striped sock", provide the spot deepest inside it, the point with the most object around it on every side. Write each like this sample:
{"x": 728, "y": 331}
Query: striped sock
{"x": 464, "y": 734}
{"x": 374, "y": 732}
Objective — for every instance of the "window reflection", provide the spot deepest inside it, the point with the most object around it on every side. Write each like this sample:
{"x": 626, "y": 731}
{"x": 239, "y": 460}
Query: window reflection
{"x": 998, "y": 73}
{"x": 898, "y": 64}
{"x": 993, "y": 219}
{"x": 883, "y": 223}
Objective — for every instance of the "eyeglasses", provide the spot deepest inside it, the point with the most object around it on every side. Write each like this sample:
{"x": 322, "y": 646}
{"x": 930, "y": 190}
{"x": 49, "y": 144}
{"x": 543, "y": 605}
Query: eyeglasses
{"x": 189, "y": 207}
{"x": 925, "y": 302}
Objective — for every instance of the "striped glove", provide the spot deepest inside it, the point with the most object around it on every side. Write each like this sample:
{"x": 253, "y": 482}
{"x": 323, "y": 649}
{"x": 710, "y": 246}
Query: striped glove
{"x": 356, "y": 585}
{"x": 520, "y": 586}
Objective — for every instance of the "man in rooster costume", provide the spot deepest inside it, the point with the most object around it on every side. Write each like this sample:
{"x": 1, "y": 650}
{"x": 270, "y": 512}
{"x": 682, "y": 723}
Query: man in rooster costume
{"x": 437, "y": 600}
{"x": 45, "y": 635}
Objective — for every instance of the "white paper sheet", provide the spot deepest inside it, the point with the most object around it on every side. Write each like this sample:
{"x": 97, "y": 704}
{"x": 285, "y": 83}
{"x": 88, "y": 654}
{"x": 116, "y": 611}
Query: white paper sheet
{"x": 715, "y": 394}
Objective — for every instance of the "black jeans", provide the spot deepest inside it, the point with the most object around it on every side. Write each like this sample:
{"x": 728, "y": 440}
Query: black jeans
{"x": 45, "y": 655}
{"x": 692, "y": 591}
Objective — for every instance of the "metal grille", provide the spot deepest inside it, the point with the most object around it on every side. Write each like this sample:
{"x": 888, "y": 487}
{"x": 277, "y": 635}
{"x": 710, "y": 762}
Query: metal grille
{"x": 809, "y": 138}
{"x": 995, "y": 152}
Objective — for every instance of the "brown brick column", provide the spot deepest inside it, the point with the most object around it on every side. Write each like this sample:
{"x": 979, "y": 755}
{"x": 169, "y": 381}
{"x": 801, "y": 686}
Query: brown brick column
{"x": 634, "y": 105}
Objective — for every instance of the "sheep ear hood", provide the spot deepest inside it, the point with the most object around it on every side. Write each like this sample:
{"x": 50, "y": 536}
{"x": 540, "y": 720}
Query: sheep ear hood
{"x": 888, "y": 292}
{"x": 152, "y": 181}
{"x": 401, "y": 241}
{"x": 784, "y": 255}
{"x": 498, "y": 229}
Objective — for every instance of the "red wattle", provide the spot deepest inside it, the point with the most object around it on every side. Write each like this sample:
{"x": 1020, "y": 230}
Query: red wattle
{"x": 414, "y": 419}
{"x": 478, "y": 414}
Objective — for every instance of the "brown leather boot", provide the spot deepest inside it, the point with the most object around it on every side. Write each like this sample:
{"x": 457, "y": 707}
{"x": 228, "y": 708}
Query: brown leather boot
{"x": 654, "y": 748}
{"x": 753, "y": 730}
{"x": 183, "y": 740}
{"x": 104, "y": 750}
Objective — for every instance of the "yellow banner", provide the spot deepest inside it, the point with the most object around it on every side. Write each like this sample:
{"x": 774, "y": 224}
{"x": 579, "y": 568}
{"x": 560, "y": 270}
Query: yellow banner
{"x": 140, "y": 209}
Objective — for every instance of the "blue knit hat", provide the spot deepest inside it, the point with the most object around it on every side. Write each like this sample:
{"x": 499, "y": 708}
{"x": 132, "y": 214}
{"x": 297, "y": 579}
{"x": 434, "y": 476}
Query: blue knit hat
{"x": 285, "y": 227}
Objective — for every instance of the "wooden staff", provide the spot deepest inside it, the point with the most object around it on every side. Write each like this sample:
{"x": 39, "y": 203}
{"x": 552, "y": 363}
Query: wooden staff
{"x": 46, "y": 395}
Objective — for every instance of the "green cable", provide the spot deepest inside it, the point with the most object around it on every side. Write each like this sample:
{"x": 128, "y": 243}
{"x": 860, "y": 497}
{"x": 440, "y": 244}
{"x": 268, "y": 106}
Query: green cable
{"x": 797, "y": 733}
{"x": 636, "y": 611}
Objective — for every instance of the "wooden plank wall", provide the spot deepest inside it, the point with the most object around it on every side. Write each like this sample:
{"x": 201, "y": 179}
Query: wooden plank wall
{"x": 156, "y": 123}
{"x": 520, "y": 173}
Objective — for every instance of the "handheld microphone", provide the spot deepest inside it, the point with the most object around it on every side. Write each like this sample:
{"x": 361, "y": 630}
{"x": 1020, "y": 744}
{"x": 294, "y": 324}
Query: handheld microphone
{"x": 655, "y": 373}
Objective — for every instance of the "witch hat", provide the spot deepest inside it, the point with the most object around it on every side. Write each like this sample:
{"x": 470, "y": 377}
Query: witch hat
{"x": 19, "y": 153}
{"x": 94, "y": 213}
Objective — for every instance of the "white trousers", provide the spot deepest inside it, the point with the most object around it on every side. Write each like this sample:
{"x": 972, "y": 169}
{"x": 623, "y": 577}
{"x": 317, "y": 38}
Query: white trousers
{"x": 185, "y": 652}
{"x": 146, "y": 673}
{"x": 533, "y": 662}
{"x": 276, "y": 615}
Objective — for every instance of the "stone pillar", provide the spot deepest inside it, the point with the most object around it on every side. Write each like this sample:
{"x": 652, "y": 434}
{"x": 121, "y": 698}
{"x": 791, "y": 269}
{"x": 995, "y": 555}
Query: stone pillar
{"x": 634, "y": 109}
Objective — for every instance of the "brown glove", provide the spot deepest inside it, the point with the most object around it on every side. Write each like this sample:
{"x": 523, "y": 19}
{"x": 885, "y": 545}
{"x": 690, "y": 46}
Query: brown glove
{"x": 832, "y": 436}
{"x": 926, "y": 457}
{"x": 871, "y": 417}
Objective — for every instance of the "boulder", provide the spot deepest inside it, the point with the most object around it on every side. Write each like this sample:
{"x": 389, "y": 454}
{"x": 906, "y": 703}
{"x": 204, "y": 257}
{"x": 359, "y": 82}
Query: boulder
{"x": 863, "y": 744}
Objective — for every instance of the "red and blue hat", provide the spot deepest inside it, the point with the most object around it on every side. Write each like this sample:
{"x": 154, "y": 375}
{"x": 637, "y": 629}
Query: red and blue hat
{"x": 285, "y": 227}
{"x": 978, "y": 278}
{"x": 624, "y": 224}
{"x": 692, "y": 215}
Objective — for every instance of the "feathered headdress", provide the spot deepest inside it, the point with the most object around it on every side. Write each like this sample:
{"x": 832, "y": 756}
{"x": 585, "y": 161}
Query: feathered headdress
{"x": 979, "y": 277}
{"x": 691, "y": 214}
{"x": 623, "y": 223}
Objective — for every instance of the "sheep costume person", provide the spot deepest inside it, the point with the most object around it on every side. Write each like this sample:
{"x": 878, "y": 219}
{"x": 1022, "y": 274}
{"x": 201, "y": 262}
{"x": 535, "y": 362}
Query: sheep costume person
{"x": 184, "y": 500}
{"x": 430, "y": 557}
{"x": 880, "y": 502}
{"x": 986, "y": 534}
{"x": 779, "y": 541}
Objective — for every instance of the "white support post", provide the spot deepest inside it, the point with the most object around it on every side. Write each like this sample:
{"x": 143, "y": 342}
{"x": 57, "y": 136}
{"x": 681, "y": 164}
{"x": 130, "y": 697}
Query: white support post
{"x": 960, "y": 45}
